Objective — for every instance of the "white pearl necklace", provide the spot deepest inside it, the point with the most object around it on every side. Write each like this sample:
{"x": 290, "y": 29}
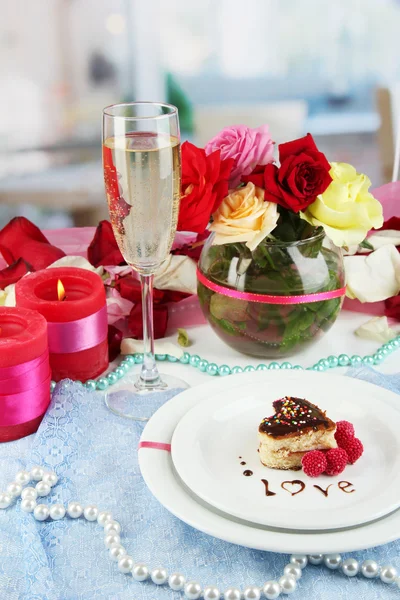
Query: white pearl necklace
{"x": 192, "y": 590}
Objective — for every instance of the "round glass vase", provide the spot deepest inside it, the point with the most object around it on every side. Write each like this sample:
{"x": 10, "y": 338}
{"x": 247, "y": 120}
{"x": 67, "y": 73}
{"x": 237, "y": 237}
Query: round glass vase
{"x": 259, "y": 328}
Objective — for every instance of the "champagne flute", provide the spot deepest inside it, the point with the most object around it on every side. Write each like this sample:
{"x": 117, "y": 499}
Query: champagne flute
{"x": 142, "y": 176}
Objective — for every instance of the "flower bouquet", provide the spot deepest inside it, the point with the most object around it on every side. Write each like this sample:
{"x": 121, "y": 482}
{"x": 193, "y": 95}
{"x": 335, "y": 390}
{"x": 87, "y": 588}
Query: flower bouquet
{"x": 271, "y": 277}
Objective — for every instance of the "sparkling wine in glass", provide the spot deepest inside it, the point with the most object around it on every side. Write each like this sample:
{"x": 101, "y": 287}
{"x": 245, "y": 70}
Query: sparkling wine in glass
{"x": 142, "y": 173}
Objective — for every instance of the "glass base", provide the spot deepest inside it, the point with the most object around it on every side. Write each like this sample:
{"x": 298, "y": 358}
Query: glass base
{"x": 129, "y": 400}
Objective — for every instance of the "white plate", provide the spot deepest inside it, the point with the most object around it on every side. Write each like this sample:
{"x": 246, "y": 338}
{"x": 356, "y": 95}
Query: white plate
{"x": 215, "y": 437}
{"x": 160, "y": 476}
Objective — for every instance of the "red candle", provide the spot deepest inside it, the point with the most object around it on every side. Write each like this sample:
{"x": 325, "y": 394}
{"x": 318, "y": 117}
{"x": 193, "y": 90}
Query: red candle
{"x": 24, "y": 372}
{"x": 77, "y": 320}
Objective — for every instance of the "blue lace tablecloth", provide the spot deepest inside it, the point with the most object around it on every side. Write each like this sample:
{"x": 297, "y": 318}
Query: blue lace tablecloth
{"x": 94, "y": 453}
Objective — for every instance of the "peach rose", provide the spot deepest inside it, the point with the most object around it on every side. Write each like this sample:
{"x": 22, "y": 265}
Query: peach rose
{"x": 244, "y": 216}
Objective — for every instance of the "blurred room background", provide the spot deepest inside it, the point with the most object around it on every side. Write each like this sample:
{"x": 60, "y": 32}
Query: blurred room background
{"x": 330, "y": 68}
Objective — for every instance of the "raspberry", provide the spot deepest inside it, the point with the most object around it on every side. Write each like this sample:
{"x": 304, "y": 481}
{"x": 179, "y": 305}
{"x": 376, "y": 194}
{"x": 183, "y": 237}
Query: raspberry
{"x": 336, "y": 459}
{"x": 314, "y": 463}
{"x": 354, "y": 449}
{"x": 344, "y": 431}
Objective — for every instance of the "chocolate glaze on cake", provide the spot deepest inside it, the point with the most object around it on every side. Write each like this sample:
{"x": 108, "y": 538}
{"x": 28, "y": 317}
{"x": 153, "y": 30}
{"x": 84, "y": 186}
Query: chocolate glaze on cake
{"x": 293, "y": 415}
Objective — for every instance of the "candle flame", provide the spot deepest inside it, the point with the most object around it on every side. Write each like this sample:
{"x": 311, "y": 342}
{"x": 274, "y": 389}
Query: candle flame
{"x": 60, "y": 290}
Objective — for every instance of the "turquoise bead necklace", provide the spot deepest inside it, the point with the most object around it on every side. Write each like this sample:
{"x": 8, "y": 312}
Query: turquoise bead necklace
{"x": 210, "y": 368}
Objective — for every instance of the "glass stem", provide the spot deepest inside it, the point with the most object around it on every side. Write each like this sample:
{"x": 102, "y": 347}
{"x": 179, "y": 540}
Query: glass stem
{"x": 149, "y": 376}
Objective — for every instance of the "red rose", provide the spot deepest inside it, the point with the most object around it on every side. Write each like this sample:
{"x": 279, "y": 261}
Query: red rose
{"x": 392, "y": 307}
{"x": 13, "y": 273}
{"x": 22, "y": 239}
{"x": 103, "y": 249}
{"x": 303, "y": 175}
{"x": 135, "y": 321}
{"x": 204, "y": 186}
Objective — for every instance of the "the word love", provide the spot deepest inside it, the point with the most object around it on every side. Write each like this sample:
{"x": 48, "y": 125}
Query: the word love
{"x": 296, "y": 486}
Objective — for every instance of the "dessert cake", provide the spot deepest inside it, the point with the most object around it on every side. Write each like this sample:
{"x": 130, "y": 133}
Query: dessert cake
{"x": 297, "y": 427}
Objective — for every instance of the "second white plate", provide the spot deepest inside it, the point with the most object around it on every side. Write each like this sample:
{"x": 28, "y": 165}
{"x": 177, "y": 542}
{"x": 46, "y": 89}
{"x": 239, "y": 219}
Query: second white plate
{"x": 215, "y": 438}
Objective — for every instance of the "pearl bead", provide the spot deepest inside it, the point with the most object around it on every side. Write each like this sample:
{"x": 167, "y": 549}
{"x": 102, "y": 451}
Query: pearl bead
{"x": 23, "y": 477}
{"x": 355, "y": 360}
{"x": 29, "y": 492}
{"x": 194, "y": 360}
{"x": 159, "y": 575}
{"x": 286, "y": 365}
{"x": 298, "y": 368}
{"x": 14, "y": 489}
{"x": 90, "y": 384}
{"x": 350, "y": 567}
{"x": 125, "y": 564}
{"x": 28, "y": 505}
{"x": 192, "y": 590}
{"x": 252, "y": 592}
{"x": 91, "y": 512}
{"x": 288, "y": 584}
{"x": 388, "y": 574}
{"x": 292, "y": 570}
{"x": 176, "y": 582}
{"x": 211, "y": 593}
{"x": 140, "y": 572}
{"x": 52, "y": 386}
{"x": 212, "y": 369}
{"x": 370, "y": 569}
{"x": 74, "y": 510}
{"x": 368, "y": 360}
{"x": 224, "y": 370}
{"x": 271, "y": 590}
{"x": 300, "y": 560}
{"x": 112, "y": 527}
{"x": 171, "y": 358}
{"x": 273, "y": 366}
{"x": 202, "y": 366}
{"x": 102, "y": 383}
{"x": 42, "y": 488}
{"x": 344, "y": 360}
{"x": 249, "y": 369}
{"x": 116, "y": 551}
{"x": 185, "y": 358}
{"x": 315, "y": 559}
{"x": 57, "y": 512}
{"x": 232, "y": 593}
{"x": 262, "y": 367}
{"x": 37, "y": 473}
{"x": 41, "y": 512}
{"x": 324, "y": 362}
{"x": 332, "y": 561}
{"x": 104, "y": 517}
{"x": 111, "y": 539}
{"x": 5, "y": 500}
{"x": 238, "y": 369}
{"x": 333, "y": 361}
{"x": 119, "y": 372}
{"x": 158, "y": 357}
{"x": 50, "y": 477}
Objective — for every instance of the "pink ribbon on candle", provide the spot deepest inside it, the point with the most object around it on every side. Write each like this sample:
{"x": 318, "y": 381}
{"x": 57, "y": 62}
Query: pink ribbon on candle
{"x": 24, "y": 391}
{"x": 155, "y": 446}
{"x": 265, "y": 298}
{"x": 75, "y": 336}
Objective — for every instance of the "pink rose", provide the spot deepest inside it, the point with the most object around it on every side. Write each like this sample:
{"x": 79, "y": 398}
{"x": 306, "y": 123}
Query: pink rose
{"x": 248, "y": 147}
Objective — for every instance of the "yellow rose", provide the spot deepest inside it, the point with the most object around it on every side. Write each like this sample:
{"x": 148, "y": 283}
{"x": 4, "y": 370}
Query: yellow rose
{"x": 346, "y": 210}
{"x": 244, "y": 216}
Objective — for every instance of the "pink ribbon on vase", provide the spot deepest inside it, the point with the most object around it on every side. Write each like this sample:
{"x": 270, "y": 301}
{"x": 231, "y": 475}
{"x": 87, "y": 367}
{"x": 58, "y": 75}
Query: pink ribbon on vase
{"x": 267, "y": 299}
{"x": 75, "y": 336}
{"x": 24, "y": 391}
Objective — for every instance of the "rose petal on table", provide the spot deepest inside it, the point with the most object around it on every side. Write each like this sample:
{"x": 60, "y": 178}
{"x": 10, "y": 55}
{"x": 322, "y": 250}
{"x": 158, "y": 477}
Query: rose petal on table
{"x": 131, "y": 346}
{"x": 177, "y": 273}
{"x": 76, "y": 261}
{"x": 376, "y": 329}
{"x": 114, "y": 338}
{"x": 374, "y": 277}
{"x": 384, "y": 237}
{"x": 103, "y": 249}
{"x": 22, "y": 239}
{"x": 117, "y": 307}
{"x": 14, "y": 272}
{"x": 160, "y": 321}
{"x": 392, "y": 308}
